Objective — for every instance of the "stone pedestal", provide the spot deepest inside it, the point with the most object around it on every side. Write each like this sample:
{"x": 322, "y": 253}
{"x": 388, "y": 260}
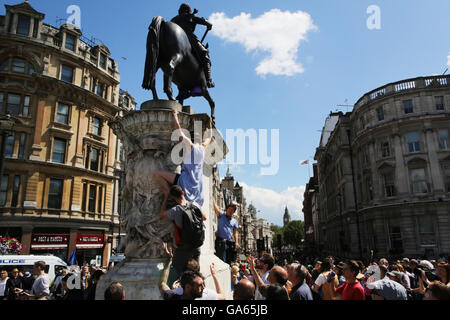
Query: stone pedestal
{"x": 146, "y": 136}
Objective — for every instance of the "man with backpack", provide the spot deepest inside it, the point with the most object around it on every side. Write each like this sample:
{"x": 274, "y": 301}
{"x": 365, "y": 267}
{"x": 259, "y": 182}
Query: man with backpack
{"x": 189, "y": 230}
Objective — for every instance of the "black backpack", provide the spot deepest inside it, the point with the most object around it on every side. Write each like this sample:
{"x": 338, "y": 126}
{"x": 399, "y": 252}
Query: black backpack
{"x": 193, "y": 234}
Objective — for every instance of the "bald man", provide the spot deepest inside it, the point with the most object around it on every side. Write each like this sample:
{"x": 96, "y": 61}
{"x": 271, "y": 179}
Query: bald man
{"x": 244, "y": 290}
{"x": 277, "y": 275}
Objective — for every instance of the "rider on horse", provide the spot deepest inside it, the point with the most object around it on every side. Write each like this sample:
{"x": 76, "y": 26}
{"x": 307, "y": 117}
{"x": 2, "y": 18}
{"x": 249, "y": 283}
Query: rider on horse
{"x": 188, "y": 21}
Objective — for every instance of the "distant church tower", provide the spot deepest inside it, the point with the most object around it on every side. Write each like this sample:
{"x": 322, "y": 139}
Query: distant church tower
{"x": 287, "y": 217}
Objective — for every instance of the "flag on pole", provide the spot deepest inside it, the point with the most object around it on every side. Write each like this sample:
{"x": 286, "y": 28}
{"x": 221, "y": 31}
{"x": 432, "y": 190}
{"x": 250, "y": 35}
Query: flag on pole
{"x": 73, "y": 258}
{"x": 304, "y": 162}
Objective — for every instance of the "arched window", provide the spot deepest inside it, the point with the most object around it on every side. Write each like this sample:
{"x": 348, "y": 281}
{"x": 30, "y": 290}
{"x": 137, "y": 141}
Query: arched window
{"x": 17, "y": 65}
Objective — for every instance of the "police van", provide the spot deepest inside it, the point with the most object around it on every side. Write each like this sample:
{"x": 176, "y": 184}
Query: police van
{"x": 25, "y": 264}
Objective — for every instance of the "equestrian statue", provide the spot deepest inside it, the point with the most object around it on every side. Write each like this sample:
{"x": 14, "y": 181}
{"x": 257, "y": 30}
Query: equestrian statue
{"x": 173, "y": 47}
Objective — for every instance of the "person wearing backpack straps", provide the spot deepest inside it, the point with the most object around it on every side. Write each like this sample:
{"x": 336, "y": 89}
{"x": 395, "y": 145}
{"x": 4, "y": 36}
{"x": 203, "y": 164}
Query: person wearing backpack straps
{"x": 189, "y": 229}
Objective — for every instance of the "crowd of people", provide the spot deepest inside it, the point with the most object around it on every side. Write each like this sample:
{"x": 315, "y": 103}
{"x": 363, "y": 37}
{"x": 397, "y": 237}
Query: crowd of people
{"x": 73, "y": 283}
{"x": 326, "y": 279}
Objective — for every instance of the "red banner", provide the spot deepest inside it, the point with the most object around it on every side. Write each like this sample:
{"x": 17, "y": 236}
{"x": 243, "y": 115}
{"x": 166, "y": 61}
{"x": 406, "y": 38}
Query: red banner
{"x": 49, "y": 241}
{"x": 89, "y": 241}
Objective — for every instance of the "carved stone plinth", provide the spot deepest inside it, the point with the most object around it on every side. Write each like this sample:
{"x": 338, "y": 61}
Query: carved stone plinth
{"x": 146, "y": 136}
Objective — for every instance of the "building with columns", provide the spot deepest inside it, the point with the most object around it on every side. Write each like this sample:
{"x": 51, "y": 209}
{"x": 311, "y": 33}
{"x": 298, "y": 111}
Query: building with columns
{"x": 384, "y": 173}
{"x": 60, "y": 181}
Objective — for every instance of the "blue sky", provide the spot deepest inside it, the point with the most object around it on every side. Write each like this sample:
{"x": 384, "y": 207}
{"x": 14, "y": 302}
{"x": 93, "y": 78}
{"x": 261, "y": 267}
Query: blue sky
{"x": 341, "y": 59}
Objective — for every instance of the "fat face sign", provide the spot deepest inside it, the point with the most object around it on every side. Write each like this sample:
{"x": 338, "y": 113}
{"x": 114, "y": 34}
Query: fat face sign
{"x": 49, "y": 241}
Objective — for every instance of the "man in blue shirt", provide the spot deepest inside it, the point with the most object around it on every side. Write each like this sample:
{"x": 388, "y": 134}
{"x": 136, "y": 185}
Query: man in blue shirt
{"x": 227, "y": 233}
{"x": 191, "y": 177}
{"x": 297, "y": 275}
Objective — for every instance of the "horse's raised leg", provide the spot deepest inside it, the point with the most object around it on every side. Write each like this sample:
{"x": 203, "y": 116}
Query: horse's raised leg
{"x": 211, "y": 102}
{"x": 174, "y": 62}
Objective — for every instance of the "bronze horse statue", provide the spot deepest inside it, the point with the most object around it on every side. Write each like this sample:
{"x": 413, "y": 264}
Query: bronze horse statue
{"x": 168, "y": 48}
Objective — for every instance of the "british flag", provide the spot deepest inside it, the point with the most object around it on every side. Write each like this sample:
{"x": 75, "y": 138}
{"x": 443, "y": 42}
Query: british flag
{"x": 304, "y": 162}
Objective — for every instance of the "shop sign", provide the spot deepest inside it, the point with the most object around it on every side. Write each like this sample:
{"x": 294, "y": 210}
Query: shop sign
{"x": 89, "y": 241}
{"x": 49, "y": 241}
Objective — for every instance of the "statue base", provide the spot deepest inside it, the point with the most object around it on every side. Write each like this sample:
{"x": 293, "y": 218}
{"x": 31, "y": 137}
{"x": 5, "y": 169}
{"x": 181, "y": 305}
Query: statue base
{"x": 139, "y": 278}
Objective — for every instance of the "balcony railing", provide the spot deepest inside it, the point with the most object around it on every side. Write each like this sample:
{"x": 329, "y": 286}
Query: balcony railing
{"x": 404, "y": 85}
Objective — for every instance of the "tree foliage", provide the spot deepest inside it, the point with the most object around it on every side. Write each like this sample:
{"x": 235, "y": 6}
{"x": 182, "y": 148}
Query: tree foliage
{"x": 291, "y": 234}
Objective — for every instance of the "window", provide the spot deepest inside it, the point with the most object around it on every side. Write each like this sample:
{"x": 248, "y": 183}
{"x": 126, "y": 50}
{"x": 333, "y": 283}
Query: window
{"x": 439, "y": 103}
{"x": 19, "y": 65}
{"x": 13, "y": 104}
{"x": 59, "y": 150}
{"x": 444, "y": 139}
{"x": 99, "y": 204}
{"x": 31, "y": 69}
{"x": 26, "y": 106}
{"x": 408, "y": 106}
{"x": 418, "y": 181}
{"x": 369, "y": 190}
{"x": 55, "y": 194}
{"x": 389, "y": 184}
{"x": 447, "y": 177}
{"x": 62, "y": 115}
{"x": 23, "y": 25}
{"x": 70, "y": 42}
{"x": 22, "y": 144}
{"x": 67, "y": 73}
{"x": 97, "y": 126}
{"x": 94, "y": 159}
{"x": 385, "y": 149}
{"x": 395, "y": 236}
{"x": 15, "y": 191}
{"x": 5, "y": 65}
{"x": 92, "y": 198}
{"x": 426, "y": 231}
{"x": 1, "y": 101}
{"x": 413, "y": 141}
{"x": 380, "y": 113}
{"x": 3, "y": 189}
{"x": 126, "y": 102}
{"x": 103, "y": 61}
{"x": 88, "y": 153}
{"x": 35, "y": 28}
{"x": 9, "y": 145}
{"x": 83, "y": 201}
{"x": 99, "y": 90}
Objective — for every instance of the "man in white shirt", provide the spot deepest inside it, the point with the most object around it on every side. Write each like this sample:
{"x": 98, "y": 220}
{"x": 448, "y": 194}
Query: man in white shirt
{"x": 263, "y": 265}
{"x": 3, "y": 280}
{"x": 41, "y": 286}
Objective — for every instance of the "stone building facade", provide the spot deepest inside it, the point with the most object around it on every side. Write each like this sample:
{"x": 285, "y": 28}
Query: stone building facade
{"x": 392, "y": 155}
{"x": 60, "y": 185}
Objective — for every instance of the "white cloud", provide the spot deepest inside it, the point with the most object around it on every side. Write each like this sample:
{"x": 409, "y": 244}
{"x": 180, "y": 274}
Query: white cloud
{"x": 277, "y": 32}
{"x": 448, "y": 60}
{"x": 272, "y": 203}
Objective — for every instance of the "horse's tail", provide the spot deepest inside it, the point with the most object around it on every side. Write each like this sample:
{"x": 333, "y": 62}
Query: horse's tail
{"x": 151, "y": 60}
